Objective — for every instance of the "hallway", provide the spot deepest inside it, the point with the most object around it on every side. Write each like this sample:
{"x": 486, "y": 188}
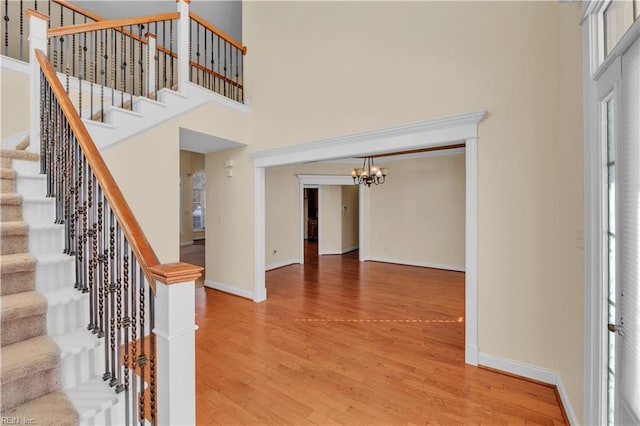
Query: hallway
{"x": 339, "y": 341}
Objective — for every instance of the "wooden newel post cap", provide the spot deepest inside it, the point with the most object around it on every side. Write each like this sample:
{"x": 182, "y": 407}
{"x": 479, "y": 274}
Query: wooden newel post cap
{"x": 36, "y": 14}
{"x": 173, "y": 273}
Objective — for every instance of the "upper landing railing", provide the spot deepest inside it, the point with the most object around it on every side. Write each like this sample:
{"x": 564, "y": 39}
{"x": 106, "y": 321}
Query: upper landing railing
{"x": 110, "y": 62}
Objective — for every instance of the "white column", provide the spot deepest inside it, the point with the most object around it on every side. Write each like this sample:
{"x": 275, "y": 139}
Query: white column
{"x": 184, "y": 38}
{"x": 37, "y": 41}
{"x": 260, "y": 289}
{"x": 175, "y": 337}
{"x": 471, "y": 253}
{"x": 151, "y": 60}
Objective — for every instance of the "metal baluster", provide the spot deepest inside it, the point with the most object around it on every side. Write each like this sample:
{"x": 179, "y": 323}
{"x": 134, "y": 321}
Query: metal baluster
{"x": 218, "y": 63}
{"x": 140, "y": 63}
{"x": 171, "y": 50}
{"x": 119, "y": 255}
{"x": 106, "y": 287}
{"x": 114, "y": 65}
{"x": 21, "y": 29}
{"x": 205, "y": 76}
{"x": 73, "y": 41}
{"x": 123, "y": 67}
{"x": 232, "y": 88}
{"x": 132, "y": 70}
{"x": 103, "y": 58}
{"x": 156, "y": 59}
{"x": 92, "y": 69}
{"x": 99, "y": 268}
{"x": 78, "y": 217}
{"x": 134, "y": 335}
{"x": 112, "y": 292}
{"x": 85, "y": 228}
{"x": 152, "y": 357}
{"x": 225, "y": 67}
{"x": 66, "y": 70}
{"x": 127, "y": 325}
{"x": 142, "y": 359}
{"x": 237, "y": 97}
{"x": 211, "y": 78}
{"x": 93, "y": 264}
{"x": 44, "y": 115}
{"x": 6, "y": 27}
{"x": 83, "y": 69}
{"x": 62, "y": 53}
{"x": 198, "y": 52}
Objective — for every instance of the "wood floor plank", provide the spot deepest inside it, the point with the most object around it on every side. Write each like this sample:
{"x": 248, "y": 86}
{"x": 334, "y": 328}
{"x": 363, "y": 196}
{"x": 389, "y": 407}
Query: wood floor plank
{"x": 344, "y": 342}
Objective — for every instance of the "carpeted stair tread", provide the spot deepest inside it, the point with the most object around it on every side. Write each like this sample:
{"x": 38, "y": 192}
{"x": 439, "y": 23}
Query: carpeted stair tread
{"x": 20, "y": 305}
{"x": 6, "y": 173}
{"x": 28, "y": 357}
{"x": 19, "y": 154}
{"x": 10, "y": 199}
{"x": 51, "y": 409}
{"x": 14, "y": 237}
{"x": 23, "y": 144}
{"x": 20, "y": 262}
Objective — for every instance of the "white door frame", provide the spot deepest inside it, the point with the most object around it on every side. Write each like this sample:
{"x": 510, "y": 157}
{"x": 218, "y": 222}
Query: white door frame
{"x": 316, "y": 181}
{"x": 424, "y": 134}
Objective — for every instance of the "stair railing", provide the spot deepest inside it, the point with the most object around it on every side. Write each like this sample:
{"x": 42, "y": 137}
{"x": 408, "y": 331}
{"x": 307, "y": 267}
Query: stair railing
{"x": 216, "y": 59}
{"x": 114, "y": 61}
{"x": 149, "y": 360}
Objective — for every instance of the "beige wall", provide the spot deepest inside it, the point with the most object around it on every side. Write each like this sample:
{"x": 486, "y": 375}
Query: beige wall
{"x": 365, "y": 65}
{"x": 190, "y": 163}
{"x": 330, "y": 219}
{"x": 418, "y": 215}
{"x": 14, "y": 103}
{"x": 350, "y": 217}
{"x": 282, "y": 215}
{"x": 229, "y": 247}
{"x": 147, "y": 169}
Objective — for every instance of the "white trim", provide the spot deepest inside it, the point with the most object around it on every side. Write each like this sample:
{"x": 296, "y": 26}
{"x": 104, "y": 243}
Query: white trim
{"x": 423, "y": 134}
{"x": 186, "y": 243}
{"x": 281, "y": 264}
{"x": 229, "y": 289}
{"x": 434, "y": 132}
{"x": 14, "y": 65}
{"x": 402, "y": 157}
{"x": 200, "y": 238}
{"x": 340, "y": 251}
{"x": 419, "y": 263}
{"x": 174, "y": 334}
{"x": 566, "y": 401}
{"x": 531, "y": 372}
{"x": 325, "y": 180}
{"x": 260, "y": 245}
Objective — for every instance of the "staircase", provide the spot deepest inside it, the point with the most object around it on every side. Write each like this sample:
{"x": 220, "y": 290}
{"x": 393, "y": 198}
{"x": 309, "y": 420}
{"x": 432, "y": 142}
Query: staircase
{"x": 50, "y": 362}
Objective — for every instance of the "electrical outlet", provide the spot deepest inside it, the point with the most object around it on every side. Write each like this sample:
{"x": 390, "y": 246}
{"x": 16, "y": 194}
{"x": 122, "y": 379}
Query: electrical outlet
{"x": 579, "y": 239}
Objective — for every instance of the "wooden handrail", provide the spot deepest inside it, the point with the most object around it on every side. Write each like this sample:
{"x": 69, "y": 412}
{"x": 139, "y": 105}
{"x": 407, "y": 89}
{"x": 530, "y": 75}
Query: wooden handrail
{"x": 218, "y": 32}
{"x": 116, "y": 23}
{"x": 80, "y": 10}
{"x": 167, "y": 51}
{"x": 215, "y": 74}
{"x": 136, "y": 238}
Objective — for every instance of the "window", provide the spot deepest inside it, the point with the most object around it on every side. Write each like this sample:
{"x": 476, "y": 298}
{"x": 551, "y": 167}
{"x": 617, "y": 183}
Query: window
{"x": 198, "y": 210}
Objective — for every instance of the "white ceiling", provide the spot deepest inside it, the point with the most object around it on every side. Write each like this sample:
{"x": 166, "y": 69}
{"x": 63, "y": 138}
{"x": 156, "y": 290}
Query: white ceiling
{"x": 190, "y": 140}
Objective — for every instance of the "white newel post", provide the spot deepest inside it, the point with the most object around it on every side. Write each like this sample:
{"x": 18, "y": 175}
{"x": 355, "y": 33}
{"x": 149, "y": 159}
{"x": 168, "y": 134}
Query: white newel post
{"x": 175, "y": 342}
{"x": 183, "y": 43}
{"x": 151, "y": 60}
{"x": 37, "y": 41}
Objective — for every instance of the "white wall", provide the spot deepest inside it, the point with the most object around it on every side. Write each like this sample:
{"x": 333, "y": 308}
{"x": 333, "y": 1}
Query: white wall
{"x": 350, "y": 217}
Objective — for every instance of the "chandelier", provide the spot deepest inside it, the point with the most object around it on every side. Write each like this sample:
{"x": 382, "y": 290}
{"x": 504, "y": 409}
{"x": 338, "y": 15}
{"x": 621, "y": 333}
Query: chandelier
{"x": 369, "y": 173}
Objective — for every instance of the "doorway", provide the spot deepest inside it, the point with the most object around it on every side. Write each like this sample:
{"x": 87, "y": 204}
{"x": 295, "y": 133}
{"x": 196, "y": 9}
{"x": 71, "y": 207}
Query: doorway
{"x": 310, "y": 220}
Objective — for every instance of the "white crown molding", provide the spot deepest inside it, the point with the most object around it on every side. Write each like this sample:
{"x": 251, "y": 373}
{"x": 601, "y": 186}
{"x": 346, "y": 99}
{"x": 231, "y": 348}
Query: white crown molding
{"x": 422, "y": 134}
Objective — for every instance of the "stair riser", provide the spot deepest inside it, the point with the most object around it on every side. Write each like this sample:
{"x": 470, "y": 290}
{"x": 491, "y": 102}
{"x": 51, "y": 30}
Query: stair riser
{"x": 80, "y": 367}
{"x": 67, "y": 317}
{"x": 55, "y": 275}
{"x": 7, "y": 185}
{"x": 39, "y": 211}
{"x": 25, "y": 167}
{"x": 46, "y": 240}
{"x": 10, "y": 212}
{"x": 27, "y": 388}
{"x": 23, "y": 328}
{"x": 14, "y": 244}
{"x": 32, "y": 185}
{"x": 112, "y": 415}
{"x": 17, "y": 282}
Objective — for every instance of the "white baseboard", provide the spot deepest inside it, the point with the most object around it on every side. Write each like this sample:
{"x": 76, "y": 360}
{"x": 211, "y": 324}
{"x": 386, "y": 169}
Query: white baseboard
{"x": 339, "y": 251}
{"x": 471, "y": 354}
{"x": 229, "y": 289}
{"x": 186, "y": 243}
{"x": 199, "y": 238}
{"x": 282, "y": 264}
{"x": 416, "y": 263}
{"x": 531, "y": 372}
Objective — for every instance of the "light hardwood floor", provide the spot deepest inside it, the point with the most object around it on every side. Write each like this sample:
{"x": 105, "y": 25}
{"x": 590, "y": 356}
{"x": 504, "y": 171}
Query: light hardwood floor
{"x": 344, "y": 342}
